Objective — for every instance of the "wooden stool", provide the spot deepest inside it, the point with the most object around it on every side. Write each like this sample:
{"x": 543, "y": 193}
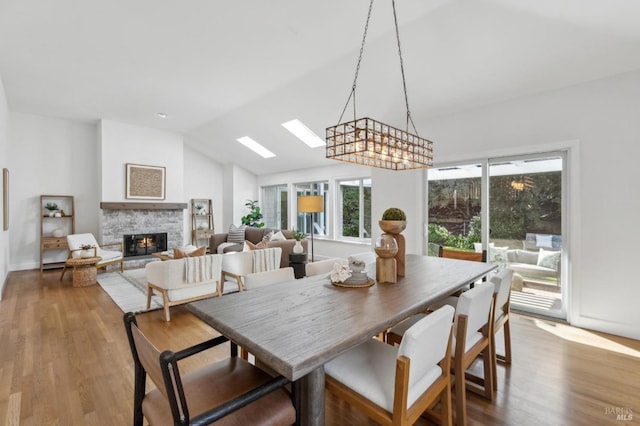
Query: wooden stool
{"x": 84, "y": 270}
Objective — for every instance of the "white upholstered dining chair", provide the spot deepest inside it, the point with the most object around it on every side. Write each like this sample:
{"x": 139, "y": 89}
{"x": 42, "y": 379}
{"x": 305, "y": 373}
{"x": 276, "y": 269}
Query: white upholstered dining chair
{"x": 501, "y": 318}
{"x": 396, "y": 385}
{"x": 108, "y": 257}
{"x": 321, "y": 266}
{"x": 266, "y": 278}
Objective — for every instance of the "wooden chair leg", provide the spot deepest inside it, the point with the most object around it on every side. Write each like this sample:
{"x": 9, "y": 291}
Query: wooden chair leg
{"x": 64, "y": 269}
{"x": 507, "y": 341}
{"x": 488, "y": 361}
{"x": 494, "y": 360}
{"x": 149, "y": 294}
{"x": 445, "y": 406}
{"x": 461, "y": 397}
{"x": 165, "y": 302}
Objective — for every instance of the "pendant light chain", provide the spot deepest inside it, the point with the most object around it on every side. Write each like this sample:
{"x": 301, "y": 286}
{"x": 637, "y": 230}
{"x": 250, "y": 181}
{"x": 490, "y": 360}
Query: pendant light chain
{"x": 404, "y": 83}
{"x": 355, "y": 78}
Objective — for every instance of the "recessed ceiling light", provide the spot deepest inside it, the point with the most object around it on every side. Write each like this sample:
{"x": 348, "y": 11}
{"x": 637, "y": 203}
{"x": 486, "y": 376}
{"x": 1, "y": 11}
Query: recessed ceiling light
{"x": 255, "y": 147}
{"x": 162, "y": 115}
{"x": 303, "y": 133}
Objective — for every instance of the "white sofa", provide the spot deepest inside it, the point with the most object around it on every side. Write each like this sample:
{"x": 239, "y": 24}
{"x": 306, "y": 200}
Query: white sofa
{"x": 170, "y": 279}
{"x": 531, "y": 264}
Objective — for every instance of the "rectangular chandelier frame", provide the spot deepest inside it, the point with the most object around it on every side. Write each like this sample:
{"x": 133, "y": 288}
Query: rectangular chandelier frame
{"x": 371, "y": 143}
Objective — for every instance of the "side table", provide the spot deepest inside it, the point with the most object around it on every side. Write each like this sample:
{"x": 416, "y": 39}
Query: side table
{"x": 298, "y": 262}
{"x": 84, "y": 270}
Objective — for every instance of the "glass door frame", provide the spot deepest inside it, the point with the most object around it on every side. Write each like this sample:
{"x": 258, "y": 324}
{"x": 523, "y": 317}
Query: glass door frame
{"x": 562, "y": 153}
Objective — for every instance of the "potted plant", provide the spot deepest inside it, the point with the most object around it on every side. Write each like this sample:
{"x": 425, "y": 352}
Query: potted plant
{"x": 298, "y": 236}
{"x": 393, "y": 221}
{"x": 199, "y": 209}
{"x": 52, "y": 207}
{"x": 87, "y": 250}
{"x": 254, "y": 218}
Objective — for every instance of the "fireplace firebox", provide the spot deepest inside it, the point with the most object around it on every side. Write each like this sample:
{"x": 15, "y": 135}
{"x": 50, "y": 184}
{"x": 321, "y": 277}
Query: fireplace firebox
{"x": 136, "y": 245}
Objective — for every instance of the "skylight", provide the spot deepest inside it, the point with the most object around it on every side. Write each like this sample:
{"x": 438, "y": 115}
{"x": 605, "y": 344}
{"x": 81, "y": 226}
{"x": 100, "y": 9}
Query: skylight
{"x": 303, "y": 133}
{"x": 255, "y": 147}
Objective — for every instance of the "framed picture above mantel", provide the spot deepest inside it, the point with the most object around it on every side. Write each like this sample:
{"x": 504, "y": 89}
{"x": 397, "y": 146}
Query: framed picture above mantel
{"x": 145, "y": 182}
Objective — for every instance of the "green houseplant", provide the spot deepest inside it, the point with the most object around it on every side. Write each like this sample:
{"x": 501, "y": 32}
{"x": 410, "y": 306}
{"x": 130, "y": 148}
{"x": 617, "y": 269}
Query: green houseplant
{"x": 254, "y": 218}
{"x": 394, "y": 220}
{"x": 52, "y": 207}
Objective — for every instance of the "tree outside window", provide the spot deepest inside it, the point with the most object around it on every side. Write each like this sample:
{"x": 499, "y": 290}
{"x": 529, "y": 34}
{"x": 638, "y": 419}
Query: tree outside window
{"x": 355, "y": 208}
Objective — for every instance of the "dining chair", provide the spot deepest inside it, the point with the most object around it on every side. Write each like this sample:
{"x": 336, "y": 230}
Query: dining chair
{"x": 231, "y": 390}
{"x": 472, "y": 330}
{"x": 396, "y": 385}
{"x": 501, "y": 314}
{"x": 321, "y": 266}
{"x": 75, "y": 243}
{"x": 266, "y": 278}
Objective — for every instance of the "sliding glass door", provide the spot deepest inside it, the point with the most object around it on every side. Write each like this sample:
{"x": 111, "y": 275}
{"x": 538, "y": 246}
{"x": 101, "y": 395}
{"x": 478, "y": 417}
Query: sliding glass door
{"x": 513, "y": 208}
{"x": 526, "y": 228}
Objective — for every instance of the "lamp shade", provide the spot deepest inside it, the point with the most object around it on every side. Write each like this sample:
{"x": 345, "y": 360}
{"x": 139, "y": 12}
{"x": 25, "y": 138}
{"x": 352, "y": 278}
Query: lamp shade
{"x": 310, "y": 204}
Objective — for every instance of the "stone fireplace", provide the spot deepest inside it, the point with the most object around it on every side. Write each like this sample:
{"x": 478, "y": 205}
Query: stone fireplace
{"x": 143, "y": 245}
{"x": 120, "y": 219}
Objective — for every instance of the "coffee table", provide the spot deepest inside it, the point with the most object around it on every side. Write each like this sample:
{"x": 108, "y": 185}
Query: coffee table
{"x": 84, "y": 270}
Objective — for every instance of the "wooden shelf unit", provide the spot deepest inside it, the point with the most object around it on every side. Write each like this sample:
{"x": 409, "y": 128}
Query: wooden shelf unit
{"x": 54, "y": 250}
{"x": 201, "y": 222}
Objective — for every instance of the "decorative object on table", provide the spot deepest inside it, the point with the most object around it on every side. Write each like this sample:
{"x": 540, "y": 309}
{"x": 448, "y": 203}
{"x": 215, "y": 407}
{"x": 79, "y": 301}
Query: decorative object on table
{"x": 311, "y": 204}
{"x": 298, "y": 236}
{"x": 371, "y": 143}
{"x": 145, "y": 182}
{"x": 87, "y": 250}
{"x": 52, "y": 207}
{"x": 341, "y": 276}
{"x": 356, "y": 265}
{"x": 254, "y": 218}
{"x": 5, "y": 199}
{"x": 393, "y": 222}
{"x": 386, "y": 266}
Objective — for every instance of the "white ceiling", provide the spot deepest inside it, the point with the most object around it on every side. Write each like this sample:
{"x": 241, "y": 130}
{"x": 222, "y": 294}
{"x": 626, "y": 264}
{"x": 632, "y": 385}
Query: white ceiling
{"x": 222, "y": 70}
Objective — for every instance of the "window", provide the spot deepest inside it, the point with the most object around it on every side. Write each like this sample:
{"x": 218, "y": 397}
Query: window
{"x": 316, "y": 221}
{"x": 275, "y": 206}
{"x": 354, "y": 200}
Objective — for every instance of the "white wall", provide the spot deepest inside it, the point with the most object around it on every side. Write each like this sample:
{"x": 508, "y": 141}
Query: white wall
{"x": 49, "y": 156}
{"x": 598, "y": 122}
{"x": 203, "y": 179}
{"x": 604, "y": 241}
{"x": 5, "y": 244}
{"x": 122, "y": 143}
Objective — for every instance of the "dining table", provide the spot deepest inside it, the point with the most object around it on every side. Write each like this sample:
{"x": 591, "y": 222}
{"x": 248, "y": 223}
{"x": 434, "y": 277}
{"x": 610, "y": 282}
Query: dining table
{"x": 295, "y": 327}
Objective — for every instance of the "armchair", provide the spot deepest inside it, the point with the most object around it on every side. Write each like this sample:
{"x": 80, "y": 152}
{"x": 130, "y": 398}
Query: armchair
{"x": 108, "y": 257}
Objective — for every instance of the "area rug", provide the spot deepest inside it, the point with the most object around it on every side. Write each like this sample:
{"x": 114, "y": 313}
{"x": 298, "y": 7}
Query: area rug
{"x": 128, "y": 290}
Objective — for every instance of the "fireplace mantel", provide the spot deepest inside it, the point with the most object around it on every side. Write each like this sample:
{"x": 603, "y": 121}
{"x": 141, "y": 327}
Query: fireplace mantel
{"x": 142, "y": 206}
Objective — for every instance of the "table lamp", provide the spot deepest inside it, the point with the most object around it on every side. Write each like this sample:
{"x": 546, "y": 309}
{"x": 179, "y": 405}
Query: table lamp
{"x": 311, "y": 204}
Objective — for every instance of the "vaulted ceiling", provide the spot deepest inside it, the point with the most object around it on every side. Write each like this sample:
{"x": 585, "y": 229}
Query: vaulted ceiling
{"x": 223, "y": 70}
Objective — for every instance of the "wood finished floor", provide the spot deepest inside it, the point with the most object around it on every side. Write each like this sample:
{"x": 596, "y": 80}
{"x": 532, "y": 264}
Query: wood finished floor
{"x": 64, "y": 360}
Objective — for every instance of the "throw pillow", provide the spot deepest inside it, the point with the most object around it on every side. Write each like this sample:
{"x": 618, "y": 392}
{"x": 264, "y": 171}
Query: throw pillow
{"x": 248, "y": 245}
{"x": 267, "y": 236}
{"x": 548, "y": 259}
{"x": 544, "y": 241}
{"x": 278, "y": 236}
{"x": 179, "y": 254}
{"x": 236, "y": 234}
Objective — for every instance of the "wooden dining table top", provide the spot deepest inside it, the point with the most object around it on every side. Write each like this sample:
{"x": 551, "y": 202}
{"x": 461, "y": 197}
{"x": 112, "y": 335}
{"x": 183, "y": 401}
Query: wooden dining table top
{"x": 297, "y": 326}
